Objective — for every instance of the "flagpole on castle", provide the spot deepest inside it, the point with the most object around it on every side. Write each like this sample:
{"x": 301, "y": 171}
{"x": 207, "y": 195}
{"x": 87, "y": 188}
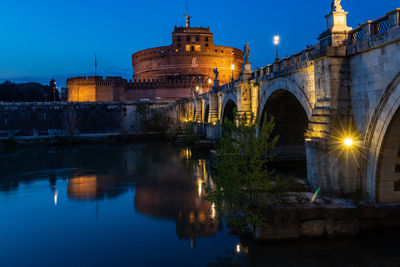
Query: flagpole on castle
{"x": 95, "y": 65}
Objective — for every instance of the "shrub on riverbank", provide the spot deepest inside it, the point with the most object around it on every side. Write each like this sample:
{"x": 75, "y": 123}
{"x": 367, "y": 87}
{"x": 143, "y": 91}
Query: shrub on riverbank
{"x": 244, "y": 184}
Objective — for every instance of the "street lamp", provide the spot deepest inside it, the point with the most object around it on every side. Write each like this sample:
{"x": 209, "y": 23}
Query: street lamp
{"x": 348, "y": 142}
{"x": 232, "y": 68}
{"x": 276, "y": 43}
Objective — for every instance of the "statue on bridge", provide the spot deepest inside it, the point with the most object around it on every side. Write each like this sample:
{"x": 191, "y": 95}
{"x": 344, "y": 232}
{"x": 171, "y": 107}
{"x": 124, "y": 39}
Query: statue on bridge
{"x": 216, "y": 73}
{"x": 336, "y": 6}
{"x": 246, "y": 51}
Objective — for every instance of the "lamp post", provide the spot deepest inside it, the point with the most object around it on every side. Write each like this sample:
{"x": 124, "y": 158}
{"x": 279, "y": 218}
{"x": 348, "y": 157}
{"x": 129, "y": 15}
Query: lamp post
{"x": 276, "y": 43}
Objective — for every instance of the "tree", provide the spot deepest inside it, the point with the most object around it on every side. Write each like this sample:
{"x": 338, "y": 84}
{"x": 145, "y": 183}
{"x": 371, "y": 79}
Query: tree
{"x": 244, "y": 184}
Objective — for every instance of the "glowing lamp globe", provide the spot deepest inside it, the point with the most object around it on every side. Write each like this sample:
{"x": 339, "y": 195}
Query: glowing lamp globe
{"x": 276, "y": 39}
{"x": 348, "y": 142}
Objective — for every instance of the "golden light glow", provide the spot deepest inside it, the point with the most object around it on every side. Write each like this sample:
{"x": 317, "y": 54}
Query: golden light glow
{"x": 214, "y": 123}
{"x": 200, "y": 187}
{"x": 233, "y": 67}
{"x": 238, "y": 248}
{"x": 213, "y": 211}
{"x": 276, "y": 39}
{"x": 188, "y": 153}
{"x": 209, "y": 81}
{"x": 197, "y": 88}
{"x": 348, "y": 142}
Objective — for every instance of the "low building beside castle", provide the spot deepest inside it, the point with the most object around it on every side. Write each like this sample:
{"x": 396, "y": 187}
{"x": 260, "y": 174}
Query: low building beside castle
{"x": 165, "y": 73}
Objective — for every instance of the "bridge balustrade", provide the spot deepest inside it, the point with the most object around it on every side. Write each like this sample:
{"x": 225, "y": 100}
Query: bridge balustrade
{"x": 376, "y": 27}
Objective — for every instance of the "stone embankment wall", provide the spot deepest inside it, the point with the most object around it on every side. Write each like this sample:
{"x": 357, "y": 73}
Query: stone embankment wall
{"x": 327, "y": 220}
{"x": 63, "y": 119}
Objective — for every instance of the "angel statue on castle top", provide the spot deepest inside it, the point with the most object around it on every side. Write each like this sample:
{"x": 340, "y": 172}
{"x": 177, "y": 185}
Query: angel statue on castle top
{"x": 336, "y": 6}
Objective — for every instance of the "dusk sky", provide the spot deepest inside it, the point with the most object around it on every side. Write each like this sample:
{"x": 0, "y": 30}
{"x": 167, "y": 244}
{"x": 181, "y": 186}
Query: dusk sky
{"x": 44, "y": 39}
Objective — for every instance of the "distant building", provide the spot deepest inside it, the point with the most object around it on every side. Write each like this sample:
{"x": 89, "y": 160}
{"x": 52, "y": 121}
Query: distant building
{"x": 165, "y": 73}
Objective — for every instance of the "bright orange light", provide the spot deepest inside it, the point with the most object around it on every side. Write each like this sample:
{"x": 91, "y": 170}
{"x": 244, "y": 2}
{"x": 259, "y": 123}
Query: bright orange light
{"x": 209, "y": 81}
{"x": 233, "y": 67}
{"x": 348, "y": 142}
{"x": 200, "y": 187}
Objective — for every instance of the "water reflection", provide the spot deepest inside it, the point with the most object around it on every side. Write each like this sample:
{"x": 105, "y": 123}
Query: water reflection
{"x": 168, "y": 181}
{"x": 176, "y": 193}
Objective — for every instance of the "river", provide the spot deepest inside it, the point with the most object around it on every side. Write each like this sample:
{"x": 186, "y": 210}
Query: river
{"x": 140, "y": 205}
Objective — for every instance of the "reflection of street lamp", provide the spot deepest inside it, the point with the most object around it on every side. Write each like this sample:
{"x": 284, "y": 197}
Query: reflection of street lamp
{"x": 276, "y": 43}
{"x": 232, "y": 68}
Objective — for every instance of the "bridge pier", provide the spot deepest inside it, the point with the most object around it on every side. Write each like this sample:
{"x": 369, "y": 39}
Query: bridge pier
{"x": 335, "y": 172}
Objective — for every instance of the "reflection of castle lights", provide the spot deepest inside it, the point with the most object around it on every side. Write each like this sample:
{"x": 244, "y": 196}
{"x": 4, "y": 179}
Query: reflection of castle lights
{"x": 238, "y": 248}
{"x": 200, "y": 187}
{"x": 188, "y": 153}
{"x": 55, "y": 198}
{"x": 213, "y": 211}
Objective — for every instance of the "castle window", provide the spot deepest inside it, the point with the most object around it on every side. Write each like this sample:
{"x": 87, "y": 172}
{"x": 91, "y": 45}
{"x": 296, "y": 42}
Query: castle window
{"x": 197, "y": 38}
{"x": 179, "y": 38}
{"x": 206, "y": 45}
{"x": 188, "y": 38}
{"x": 179, "y": 45}
{"x": 397, "y": 186}
{"x": 206, "y": 39}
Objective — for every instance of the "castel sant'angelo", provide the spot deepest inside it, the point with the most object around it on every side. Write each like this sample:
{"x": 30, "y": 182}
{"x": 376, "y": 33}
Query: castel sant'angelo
{"x": 165, "y": 73}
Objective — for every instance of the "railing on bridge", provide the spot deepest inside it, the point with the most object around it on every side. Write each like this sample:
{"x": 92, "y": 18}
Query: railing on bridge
{"x": 290, "y": 63}
{"x": 376, "y": 27}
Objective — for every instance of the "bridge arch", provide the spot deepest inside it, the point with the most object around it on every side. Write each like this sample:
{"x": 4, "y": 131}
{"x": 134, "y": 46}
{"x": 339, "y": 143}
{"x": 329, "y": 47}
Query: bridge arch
{"x": 291, "y": 111}
{"x": 382, "y": 143}
{"x": 206, "y": 113}
{"x": 229, "y": 111}
{"x": 287, "y": 85}
{"x": 228, "y": 107}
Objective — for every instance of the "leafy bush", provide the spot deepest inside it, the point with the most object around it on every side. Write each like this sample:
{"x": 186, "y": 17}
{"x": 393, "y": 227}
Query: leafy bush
{"x": 244, "y": 184}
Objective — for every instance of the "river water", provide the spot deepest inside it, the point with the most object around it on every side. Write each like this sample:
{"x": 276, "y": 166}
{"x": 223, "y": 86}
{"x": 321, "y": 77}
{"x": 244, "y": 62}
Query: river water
{"x": 140, "y": 205}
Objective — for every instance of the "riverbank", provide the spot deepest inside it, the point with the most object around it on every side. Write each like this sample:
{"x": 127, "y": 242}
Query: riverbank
{"x": 339, "y": 218}
{"x": 17, "y": 142}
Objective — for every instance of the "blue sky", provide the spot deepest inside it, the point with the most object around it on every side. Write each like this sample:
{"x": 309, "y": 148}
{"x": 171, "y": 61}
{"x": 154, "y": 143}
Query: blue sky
{"x": 43, "y": 39}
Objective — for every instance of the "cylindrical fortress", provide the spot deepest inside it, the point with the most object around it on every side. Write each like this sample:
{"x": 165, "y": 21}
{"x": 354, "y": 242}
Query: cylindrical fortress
{"x": 192, "y": 54}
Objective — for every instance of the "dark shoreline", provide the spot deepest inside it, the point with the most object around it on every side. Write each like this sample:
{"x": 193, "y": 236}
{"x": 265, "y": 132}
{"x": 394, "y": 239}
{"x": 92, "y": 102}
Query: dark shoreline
{"x": 12, "y": 143}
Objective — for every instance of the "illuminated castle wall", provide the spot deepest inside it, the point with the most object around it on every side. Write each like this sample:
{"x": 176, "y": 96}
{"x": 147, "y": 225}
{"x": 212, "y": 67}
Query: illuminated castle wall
{"x": 165, "y": 73}
{"x": 191, "y": 54}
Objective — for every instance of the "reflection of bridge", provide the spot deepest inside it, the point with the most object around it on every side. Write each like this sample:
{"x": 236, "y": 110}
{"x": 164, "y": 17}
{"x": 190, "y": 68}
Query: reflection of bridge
{"x": 346, "y": 85}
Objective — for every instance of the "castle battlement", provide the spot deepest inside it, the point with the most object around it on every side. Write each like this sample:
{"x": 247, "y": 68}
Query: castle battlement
{"x": 191, "y": 30}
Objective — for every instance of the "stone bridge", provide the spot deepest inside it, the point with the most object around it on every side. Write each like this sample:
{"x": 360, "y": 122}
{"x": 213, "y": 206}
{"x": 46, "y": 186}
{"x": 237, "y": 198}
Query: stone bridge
{"x": 347, "y": 85}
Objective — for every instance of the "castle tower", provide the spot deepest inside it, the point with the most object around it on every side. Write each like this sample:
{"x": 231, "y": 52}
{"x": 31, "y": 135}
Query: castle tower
{"x": 191, "y": 56}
